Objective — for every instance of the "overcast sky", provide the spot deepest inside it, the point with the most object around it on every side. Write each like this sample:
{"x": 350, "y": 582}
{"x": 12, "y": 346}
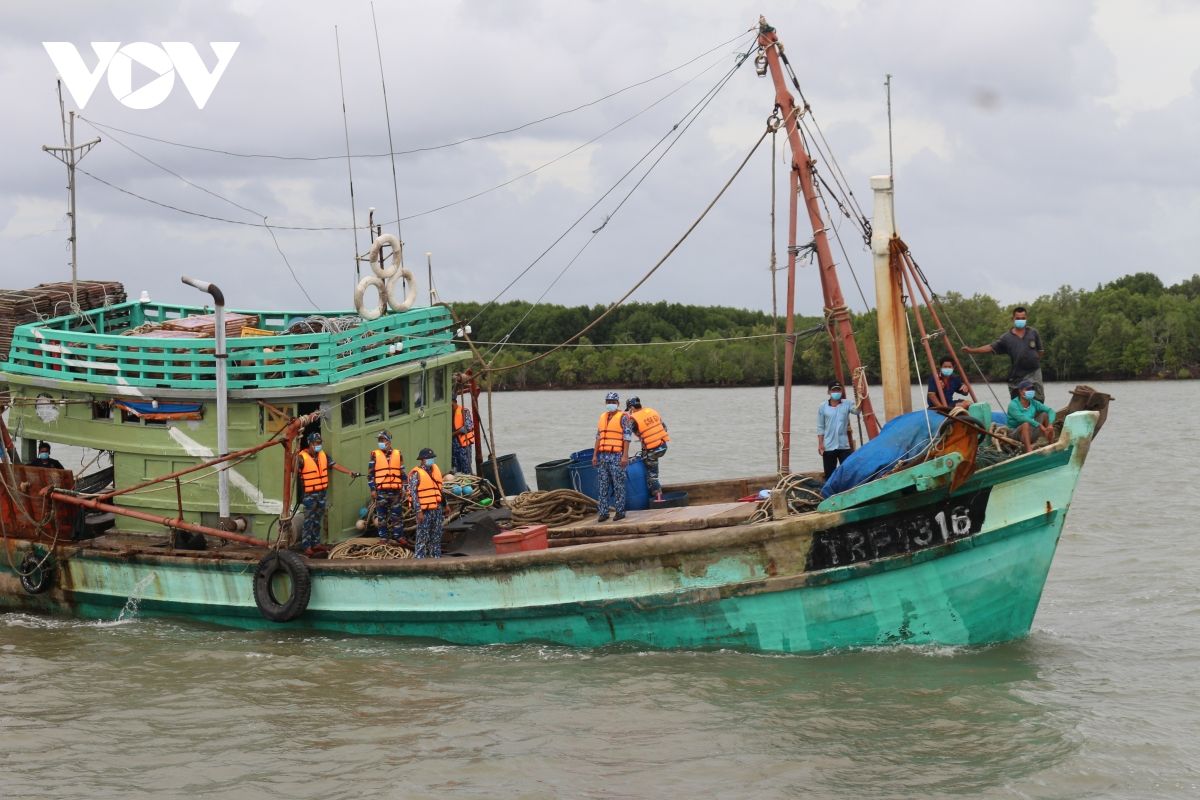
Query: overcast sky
{"x": 1036, "y": 144}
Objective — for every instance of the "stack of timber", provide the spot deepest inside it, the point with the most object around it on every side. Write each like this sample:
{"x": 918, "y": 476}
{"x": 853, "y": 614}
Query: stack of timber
{"x": 49, "y": 300}
{"x": 204, "y": 326}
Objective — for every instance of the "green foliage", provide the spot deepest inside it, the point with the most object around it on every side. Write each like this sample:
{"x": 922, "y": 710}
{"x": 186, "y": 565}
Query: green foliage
{"x": 1132, "y": 327}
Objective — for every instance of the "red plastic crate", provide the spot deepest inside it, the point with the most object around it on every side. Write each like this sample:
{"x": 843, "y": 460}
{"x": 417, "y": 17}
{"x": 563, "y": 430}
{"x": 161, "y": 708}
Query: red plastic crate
{"x": 531, "y": 537}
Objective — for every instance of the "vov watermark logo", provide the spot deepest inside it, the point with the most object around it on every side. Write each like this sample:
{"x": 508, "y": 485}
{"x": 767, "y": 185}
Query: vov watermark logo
{"x": 117, "y": 61}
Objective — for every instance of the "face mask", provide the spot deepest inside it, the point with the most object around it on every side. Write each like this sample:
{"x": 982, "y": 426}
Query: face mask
{"x": 1018, "y": 323}
{"x": 947, "y": 371}
{"x": 316, "y": 448}
{"x": 611, "y": 406}
{"x": 43, "y": 455}
{"x": 1030, "y": 394}
{"x": 429, "y": 462}
{"x": 835, "y": 395}
{"x": 383, "y": 445}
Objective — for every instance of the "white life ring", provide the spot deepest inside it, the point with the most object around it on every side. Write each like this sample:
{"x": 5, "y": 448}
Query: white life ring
{"x": 393, "y": 288}
{"x": 360, "y": 292}
{"x": 382, "y": 270}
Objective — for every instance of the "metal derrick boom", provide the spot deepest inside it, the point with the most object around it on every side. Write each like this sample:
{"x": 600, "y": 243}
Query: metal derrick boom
{"x": 837, "y": 314}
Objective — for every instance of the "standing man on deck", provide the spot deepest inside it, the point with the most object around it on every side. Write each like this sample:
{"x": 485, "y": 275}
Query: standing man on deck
{"x": 463, "y": 439}
{"x": 611, "y": 456}
{"x": 1023, "y": 346}
{"x": 386, "y": 477}
{"x": 652, "y": 431}
{"x": 313, "y": 465}
{"x": 833, "y": 429}
{"x": 425, "y": 486}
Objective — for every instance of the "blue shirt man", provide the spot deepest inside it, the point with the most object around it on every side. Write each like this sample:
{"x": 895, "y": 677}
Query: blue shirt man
{"x": 833, "y": 428}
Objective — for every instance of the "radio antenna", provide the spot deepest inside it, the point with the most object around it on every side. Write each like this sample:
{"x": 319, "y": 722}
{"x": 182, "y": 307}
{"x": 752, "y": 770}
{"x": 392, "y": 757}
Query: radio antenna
{"x": 387, "y": 116}
{"x": 349, "y": 167}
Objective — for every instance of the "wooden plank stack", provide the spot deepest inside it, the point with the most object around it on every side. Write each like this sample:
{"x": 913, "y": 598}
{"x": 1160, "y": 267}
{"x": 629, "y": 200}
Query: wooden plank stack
{"x": 47, "y": 300}
{"x": 204, "y": 326}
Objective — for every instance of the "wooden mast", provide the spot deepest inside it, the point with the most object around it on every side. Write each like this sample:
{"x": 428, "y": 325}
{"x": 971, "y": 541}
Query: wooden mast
{"x": 837, "y": 315}
{"x": 889, "y": 304}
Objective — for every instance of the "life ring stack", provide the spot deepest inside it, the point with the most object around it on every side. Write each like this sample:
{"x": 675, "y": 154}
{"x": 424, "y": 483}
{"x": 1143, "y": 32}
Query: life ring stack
{"x": 386, "y": 278}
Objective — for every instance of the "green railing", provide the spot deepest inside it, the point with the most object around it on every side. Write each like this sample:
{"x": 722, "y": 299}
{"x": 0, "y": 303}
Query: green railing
{"x": 91, "y": 349}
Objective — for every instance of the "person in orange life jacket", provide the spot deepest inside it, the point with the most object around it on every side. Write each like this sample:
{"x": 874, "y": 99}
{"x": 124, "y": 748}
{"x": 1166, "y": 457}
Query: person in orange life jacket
{"x": 425, "y": 486}
{"x": 611, "y": 455}
{"x": 43, "y": 458}
{"x": 312, "y": 467}
{"x": 462, "y": 440}
{"x": 386, "y": 478}
{"x": 649, "y": 427}
{"x": 951, "y": 385}
{"x": 833, "y": 429}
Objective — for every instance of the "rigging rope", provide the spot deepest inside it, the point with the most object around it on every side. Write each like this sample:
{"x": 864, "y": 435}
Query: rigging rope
{"x": 488, "y": 368}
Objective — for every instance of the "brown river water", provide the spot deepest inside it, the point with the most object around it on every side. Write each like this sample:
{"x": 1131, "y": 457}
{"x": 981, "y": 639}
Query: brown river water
{"x": 1100, "y": 701}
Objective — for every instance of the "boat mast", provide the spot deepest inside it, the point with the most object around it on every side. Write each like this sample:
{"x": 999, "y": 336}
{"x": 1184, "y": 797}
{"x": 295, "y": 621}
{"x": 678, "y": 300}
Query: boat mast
{"x": 889, "y": 303}
{"x": 837, "y": 314}
{"x": 71, "y": 154}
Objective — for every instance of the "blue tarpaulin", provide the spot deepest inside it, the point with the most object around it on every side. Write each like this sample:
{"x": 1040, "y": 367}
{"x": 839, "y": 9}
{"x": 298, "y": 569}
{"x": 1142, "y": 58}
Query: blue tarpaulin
{"x": 904, "y": 437}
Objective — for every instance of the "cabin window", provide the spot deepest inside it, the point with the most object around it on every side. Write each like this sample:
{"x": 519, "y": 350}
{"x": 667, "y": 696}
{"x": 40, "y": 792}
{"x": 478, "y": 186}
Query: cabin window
{"x": 101, "y": 409}
{"x": 439, "y": 385}
{"x": 397, "y": 396}
{"x": 373, "y": 404}
{"x": 418, "y": 384}
{"x": 129, "y": 416}
{"x": 349, "y": 410}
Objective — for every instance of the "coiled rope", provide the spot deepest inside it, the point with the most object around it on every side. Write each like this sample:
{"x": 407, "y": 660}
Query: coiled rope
{"x": 803, "y": 493}
{"x": 552, "y": 508}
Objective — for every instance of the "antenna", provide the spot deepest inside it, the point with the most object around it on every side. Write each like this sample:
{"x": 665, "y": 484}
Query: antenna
{"x": 349, "y": 169}
{"x": 71, "y": 154}
{"x": 387, "y": 116}
{"x": 891, "y": 165}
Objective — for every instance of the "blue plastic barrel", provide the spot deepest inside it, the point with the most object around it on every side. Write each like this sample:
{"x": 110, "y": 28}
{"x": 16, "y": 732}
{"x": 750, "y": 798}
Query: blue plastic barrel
{"x": 510, "y": 473}
{"x": 583, "y": 478}
{"x": 637, "y": 496}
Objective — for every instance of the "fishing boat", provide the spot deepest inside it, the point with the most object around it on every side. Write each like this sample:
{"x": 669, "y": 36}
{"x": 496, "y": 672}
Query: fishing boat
{"x": 938, "y": 545}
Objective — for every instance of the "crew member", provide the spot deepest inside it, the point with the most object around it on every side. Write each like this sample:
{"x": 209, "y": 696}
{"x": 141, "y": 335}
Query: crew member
{"x": 950, "y": 384}
{"x": 425, "y": 487}
{"x": 1023, "y": 346}
{"x": 611, "y": 456}
{"x": 385, "y": 476}
{"x": 313, "y": 465}
{"x": 1027, "y": 414}
{"x": 833, "y": 429}
{"x": 463, "y": 440}
{"x": 43, "y": 458}
{"x": 652, "y": 432}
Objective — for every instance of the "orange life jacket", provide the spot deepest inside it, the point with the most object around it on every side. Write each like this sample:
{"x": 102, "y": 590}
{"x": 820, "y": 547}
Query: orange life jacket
{"x": 429, "y": 488}
{"x": 612, "y": 433}
{"x": 464, "y": 439}
{"x": 314, "y": 472}
{"x": 389, "y": 470}
{"x": 650, "y": 428}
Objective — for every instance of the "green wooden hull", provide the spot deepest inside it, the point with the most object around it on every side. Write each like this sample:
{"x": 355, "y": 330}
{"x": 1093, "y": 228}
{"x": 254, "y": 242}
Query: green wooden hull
{"x": 792, "y": 586}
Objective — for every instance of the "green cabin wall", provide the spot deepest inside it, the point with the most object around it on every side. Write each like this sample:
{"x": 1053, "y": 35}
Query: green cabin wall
{"x": 142, "y": 451}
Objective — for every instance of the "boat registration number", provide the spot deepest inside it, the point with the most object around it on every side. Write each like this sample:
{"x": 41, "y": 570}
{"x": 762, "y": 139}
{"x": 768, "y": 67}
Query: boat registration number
{"x": 894, "y": 534}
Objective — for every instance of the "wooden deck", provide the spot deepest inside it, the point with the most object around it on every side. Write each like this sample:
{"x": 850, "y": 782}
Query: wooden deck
{"x": 655, "y": 522}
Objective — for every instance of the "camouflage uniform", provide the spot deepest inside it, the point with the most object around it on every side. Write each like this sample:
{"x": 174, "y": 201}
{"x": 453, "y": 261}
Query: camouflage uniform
{"x": 429, "y": 529}
{"x": 314, "y": 515}
{"x": 610, "y": 475}
{"x": 460, "y": 455}
{"x": 389, "y": 505}
{"x": 650, "y": 459}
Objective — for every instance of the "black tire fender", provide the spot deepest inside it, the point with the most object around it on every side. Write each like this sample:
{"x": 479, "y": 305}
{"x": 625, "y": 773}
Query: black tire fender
{"x": 37, "y": 572}
{"x": 289, "y": 568}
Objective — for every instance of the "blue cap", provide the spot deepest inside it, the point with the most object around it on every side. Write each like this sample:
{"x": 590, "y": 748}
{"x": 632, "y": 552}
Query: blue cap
{"x": 612, "y": 397}
{"x": 315, "y": 436}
